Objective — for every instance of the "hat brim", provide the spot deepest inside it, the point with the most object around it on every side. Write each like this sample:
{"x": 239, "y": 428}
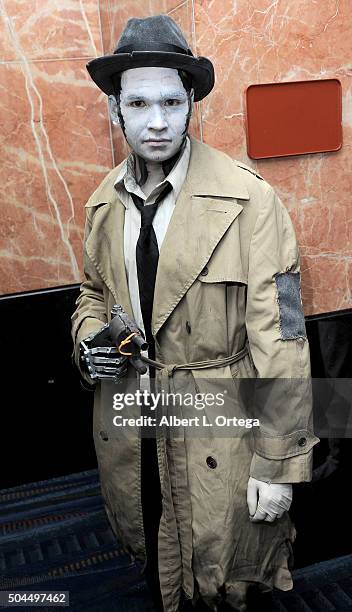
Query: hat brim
{"x": 101, "y": 69}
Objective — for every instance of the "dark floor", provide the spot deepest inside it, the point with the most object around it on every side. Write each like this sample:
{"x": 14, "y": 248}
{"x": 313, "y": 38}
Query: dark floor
{"x": 55, "y": 536}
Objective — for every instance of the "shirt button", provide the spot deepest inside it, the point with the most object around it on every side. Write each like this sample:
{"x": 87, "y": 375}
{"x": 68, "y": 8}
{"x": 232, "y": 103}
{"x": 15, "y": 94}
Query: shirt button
{"x": 188, "y": 327}
{"x": 103, "y": 435}
{"x": 205, "y": 271}
{"x": 211, "y": 462}
{"x": 302, "y": 442}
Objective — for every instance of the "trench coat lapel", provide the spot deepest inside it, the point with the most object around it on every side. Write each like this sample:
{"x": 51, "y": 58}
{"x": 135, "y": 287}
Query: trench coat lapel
{"x": 105, "y": 245}
{"x": 205, "y": 209}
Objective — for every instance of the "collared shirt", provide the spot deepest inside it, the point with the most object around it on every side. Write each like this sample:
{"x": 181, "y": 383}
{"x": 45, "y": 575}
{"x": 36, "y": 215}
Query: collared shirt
{"x": 127, "y": 183}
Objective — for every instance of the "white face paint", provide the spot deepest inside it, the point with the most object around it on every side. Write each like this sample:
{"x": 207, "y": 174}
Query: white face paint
{"x": 154, "y": 107}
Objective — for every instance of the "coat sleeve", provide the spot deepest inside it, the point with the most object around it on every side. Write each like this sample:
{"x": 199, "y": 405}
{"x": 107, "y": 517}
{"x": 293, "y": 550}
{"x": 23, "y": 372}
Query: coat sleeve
{"x": 279, "y": 349}
{"x": 90, "y": 313}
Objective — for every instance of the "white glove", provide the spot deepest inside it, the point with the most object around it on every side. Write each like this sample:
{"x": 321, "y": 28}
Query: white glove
{"x": 274, "y": 500}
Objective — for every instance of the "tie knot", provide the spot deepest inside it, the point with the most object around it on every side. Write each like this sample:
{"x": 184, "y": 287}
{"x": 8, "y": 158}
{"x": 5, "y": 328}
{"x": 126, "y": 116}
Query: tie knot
{"x": 148, "y": 210}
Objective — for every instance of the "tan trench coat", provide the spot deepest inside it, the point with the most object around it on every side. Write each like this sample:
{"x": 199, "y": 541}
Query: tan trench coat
{"x": 228, "y": 238}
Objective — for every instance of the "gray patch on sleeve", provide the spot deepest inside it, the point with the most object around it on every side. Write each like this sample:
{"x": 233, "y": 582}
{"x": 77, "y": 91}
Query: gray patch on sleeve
{"x": 292, "y": 324}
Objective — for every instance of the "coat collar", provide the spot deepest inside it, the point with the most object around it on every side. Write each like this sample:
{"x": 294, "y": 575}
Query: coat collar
{"x": 205, "y": 208}
{"x": 213, "y": 173}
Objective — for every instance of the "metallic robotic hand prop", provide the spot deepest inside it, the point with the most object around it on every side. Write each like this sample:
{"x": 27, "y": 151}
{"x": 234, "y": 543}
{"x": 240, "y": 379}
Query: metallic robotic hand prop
{"x": 106, "y": 353}
{"x": 274, "y": 500}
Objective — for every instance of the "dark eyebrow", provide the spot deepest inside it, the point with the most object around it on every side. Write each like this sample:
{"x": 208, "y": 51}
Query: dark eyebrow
{"x": 172, "y": 94}
{"x": 133, "y": 97}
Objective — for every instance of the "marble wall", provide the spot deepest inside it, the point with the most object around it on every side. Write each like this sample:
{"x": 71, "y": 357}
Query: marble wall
{"x": 57, "y": 143}
{"x": 55, "y": 138}
{"x": 264, "y": 41}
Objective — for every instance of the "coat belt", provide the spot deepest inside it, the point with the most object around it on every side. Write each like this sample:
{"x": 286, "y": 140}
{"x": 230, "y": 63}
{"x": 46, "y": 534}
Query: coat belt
{"x": 167, "y": 370}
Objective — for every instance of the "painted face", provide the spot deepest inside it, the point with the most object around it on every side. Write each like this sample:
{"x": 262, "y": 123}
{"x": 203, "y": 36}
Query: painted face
{"x": 154, "y": 106}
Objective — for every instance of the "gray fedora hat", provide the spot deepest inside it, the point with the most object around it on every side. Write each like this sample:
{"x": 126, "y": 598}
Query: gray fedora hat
{"x": 153, "y": 41}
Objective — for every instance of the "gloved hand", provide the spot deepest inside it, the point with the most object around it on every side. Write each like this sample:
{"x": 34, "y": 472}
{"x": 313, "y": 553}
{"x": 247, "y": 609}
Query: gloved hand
{"x": 274, "y": 500}
{"x": 101, "y": 359}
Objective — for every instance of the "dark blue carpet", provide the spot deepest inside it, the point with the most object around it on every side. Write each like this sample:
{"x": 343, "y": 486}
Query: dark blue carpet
{"x": 54, "y": 535}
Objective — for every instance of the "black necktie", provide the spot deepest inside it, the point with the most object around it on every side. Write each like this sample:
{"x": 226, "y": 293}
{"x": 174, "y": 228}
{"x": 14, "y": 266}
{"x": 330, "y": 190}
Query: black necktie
{"x": 147, "y": 256}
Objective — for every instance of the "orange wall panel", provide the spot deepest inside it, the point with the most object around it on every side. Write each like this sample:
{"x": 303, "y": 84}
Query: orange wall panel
{"x": 57, "y": 143}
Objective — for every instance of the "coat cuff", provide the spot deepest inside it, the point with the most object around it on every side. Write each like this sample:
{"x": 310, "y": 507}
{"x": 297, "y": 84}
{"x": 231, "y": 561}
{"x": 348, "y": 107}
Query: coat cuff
{"x": 282, "y": 447}
{"x": 84, "y": 329}
{"x": 290, "y": 470}
{"x": 284, "y": 459}
{"x": 86, "y": 326}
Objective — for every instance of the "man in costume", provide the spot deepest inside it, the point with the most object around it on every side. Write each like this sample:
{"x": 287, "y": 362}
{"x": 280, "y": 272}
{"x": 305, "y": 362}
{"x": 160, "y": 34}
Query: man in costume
{"x": 202, "y": 255}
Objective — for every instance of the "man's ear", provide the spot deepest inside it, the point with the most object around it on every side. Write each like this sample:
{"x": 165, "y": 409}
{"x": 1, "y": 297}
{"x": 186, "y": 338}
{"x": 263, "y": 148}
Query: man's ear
{"x": 113, "y": 110}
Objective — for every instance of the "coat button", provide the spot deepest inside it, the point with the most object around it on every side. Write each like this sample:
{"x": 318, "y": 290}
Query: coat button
{"x": 205, "y": 271}
{"x": 302, "y": 442}
{"x": 188, "y": 327}
{"x": 103, "y": 435}
{"x": 211, "y": 462}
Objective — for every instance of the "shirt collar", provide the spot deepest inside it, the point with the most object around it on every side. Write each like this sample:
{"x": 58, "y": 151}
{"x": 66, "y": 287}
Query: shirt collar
{"x": 129, "y": 175}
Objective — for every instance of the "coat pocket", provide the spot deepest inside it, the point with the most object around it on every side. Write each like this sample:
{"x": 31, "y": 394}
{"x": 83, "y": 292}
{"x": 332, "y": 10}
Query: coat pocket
{"x": 228, "y": 262}
{"x": 222, "y": 272}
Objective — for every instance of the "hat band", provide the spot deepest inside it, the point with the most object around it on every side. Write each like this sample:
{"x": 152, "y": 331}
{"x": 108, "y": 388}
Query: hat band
{"x": 152, "y": 46}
